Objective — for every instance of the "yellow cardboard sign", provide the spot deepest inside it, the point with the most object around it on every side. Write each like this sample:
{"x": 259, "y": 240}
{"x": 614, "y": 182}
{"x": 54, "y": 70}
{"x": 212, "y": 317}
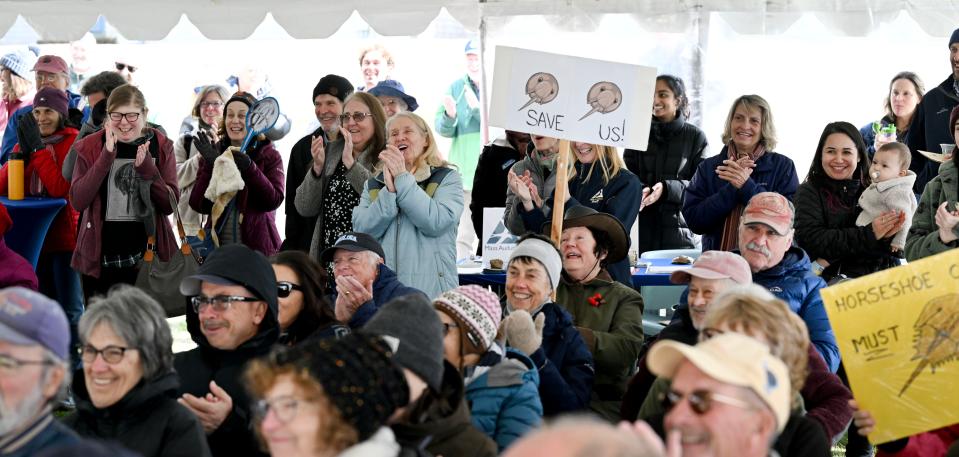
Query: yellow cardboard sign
{"x": 898, "y": 334}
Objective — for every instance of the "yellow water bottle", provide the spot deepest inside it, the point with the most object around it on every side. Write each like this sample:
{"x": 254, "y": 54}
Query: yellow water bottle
{"x": 15, "y": 176}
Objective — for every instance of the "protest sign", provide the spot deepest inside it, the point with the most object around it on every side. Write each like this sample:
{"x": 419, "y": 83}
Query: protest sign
{"x": 898, "y": 334}
{"x": 573, "y": 98}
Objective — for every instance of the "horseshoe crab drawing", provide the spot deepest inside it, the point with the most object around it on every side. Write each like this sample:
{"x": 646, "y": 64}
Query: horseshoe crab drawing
{"x": 937, "y": 335}
{"x": 604, "y": 97}
{"x": 542, "y": 88}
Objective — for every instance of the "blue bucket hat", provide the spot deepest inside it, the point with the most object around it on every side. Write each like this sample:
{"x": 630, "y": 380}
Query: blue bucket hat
{"x": 393, "y": 88}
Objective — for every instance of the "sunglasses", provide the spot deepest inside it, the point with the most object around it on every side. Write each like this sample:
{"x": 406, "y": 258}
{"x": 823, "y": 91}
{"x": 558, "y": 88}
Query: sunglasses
{"x": 285, "y": 288}
{"x": 121, "y": 66}
{"x": 357, "y": 117}
{"x": 701, "y": 401}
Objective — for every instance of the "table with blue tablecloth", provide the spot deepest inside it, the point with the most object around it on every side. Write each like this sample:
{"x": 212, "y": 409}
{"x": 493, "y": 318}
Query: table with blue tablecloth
{"x": 31, "y": 217}
{"x": 653, "y": 272}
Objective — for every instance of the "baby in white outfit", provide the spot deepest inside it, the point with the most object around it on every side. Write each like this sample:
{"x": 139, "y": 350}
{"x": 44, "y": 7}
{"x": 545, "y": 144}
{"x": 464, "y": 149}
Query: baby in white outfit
{"x": 891, "y": 189}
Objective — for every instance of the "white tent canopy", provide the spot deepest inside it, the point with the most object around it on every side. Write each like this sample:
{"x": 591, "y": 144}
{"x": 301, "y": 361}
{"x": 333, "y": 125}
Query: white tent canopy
{"x": 68, "y": 20}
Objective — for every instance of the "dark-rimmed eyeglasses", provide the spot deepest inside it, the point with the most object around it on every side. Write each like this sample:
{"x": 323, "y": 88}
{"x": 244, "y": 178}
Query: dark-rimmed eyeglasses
{"x": 205, "y": 105}
{"x": 10, "y": 364}
{"x": 285, "y": 288}
{"x": 701, "y": 401}
{"x": 220, "y": 303}
{"x": 130, "y": 117}
{"x": 121, "y": 66}
{"x": 111, "y": 354}
{"x": 357, "y": 117}
{"x": 284, "y": 407}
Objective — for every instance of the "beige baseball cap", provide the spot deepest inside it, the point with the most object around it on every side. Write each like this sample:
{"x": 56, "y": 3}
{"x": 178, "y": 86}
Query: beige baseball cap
{"x": 731, "y": 358}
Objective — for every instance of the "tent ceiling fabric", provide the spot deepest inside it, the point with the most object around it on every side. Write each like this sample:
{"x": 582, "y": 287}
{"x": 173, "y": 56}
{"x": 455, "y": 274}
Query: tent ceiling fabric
{"x": 67, "y": 20}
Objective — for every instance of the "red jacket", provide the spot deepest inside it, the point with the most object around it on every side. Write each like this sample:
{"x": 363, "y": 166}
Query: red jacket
{"x": 92, "y": 167}
{"x": 46, "y": 164}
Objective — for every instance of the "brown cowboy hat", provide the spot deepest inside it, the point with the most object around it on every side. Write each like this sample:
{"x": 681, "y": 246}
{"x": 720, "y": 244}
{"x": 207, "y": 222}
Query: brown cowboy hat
{"x": 582, "y": 216}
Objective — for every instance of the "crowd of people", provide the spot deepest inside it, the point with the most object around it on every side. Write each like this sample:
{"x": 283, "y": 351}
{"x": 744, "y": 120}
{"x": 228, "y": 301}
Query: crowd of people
{"x": 350, "y": 335}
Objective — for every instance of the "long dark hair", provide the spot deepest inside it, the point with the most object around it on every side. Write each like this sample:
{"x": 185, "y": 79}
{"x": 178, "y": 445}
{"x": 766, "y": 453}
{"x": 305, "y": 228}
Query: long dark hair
{"x": 678, "y": 87}
{"x": 817, "y": 175}
{"x": 316, "y": 312}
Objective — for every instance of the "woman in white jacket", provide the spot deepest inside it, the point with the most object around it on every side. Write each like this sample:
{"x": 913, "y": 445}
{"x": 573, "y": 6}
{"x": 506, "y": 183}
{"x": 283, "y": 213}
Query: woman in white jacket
{"x": 413, "y": 206}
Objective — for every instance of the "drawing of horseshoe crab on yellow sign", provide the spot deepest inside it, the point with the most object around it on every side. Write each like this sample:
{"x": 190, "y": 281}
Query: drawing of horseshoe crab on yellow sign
{"x": 898, "y": 334}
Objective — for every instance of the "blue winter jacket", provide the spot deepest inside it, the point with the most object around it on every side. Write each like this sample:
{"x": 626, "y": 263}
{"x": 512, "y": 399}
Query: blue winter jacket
{"x": 564, "y": 362}
{"x": 620, "y": 197}
{"x": 385, "y": 288}
{"x": 793, "y": 282}
{"x": 709, "y": 200}
{"x": 10, "y": 133}
{"x": 505, "y": 400}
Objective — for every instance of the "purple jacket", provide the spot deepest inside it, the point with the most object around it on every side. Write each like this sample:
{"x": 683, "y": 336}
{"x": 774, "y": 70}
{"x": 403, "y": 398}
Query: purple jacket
{"x": 15, "y": 270}
{"x": 92, "y": 167}
{"x": 258, "y": 201}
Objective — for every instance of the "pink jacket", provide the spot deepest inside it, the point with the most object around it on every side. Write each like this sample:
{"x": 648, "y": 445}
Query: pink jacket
{"x": 92, "y": 167}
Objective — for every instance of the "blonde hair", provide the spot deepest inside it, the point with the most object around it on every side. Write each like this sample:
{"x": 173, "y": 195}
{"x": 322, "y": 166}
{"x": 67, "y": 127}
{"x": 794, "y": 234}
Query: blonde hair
{"x": 334, "y": 431}
{"x": 15, "y": 87}
{"x": 751, "y": 309}
{"x": 430, "y": 156}
{"x": 753, "y": 102}
{"x": 610, "y": 163}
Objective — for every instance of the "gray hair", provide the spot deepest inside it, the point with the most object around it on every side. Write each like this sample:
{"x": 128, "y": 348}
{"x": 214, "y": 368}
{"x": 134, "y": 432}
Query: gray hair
{"x": 372, "y": 257}
{"x": 139, "y": 320}
{"x": 55, "y": 363}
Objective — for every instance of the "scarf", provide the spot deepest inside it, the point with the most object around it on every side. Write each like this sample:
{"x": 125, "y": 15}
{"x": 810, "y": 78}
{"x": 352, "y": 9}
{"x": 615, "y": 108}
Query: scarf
{"x": 730, "y": 233}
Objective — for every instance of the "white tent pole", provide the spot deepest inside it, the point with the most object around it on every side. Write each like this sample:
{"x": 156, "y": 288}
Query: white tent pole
{"x": 484, "y": 96}
{"x": 701, "y": 28}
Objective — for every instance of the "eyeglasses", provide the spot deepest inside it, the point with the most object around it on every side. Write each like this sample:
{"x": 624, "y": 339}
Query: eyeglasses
{"x": 48, "y": 77}
{"x": 284, "y": 407}
{"x": 220, "y": 303}
{"x": 130, "y": 117}
{"x": 447, "y": 326}
{"x": 9, "y": 364}
{"x": 285, "y": 288}
{"x": 111, "y": 354}
{"x": 357, "y": 117}
{"x": 701, "y": 401}
{"x": 205, "y": 105}
{"x": 121, "y": 66}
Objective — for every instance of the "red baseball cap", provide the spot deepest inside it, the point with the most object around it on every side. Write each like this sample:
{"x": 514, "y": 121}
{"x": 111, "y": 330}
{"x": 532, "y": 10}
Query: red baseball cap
{"x": 51, "y": 64}
{"x": 716, "y": 265}
{"x": 771, "y": 209}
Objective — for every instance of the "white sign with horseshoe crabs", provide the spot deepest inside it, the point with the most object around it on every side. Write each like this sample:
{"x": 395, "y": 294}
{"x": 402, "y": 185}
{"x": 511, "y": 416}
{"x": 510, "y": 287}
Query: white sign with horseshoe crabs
{"x": 573, "y": 98}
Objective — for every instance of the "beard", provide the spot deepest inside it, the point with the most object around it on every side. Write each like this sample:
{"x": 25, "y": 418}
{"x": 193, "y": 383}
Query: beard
{"x": 16, "y": 417}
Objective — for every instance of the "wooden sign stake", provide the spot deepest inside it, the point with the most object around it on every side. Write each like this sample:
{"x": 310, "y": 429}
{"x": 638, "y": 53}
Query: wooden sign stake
{"x": 562, "y": 188}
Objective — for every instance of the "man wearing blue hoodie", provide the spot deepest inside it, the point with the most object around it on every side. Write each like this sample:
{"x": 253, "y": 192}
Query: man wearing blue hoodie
{"x": 363, "y": 282}
{"x": 765, "y": 238}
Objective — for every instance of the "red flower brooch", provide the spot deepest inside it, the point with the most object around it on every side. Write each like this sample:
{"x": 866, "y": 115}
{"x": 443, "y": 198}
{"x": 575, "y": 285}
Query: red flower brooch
{"x": 596, "y": 300}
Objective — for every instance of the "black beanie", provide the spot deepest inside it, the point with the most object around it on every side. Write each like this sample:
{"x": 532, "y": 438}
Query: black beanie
{"x": 954, "y": 38}
{"x": 359, "y": 378}
{"x": 242, "y": 97}
{"x": 412, "y": 320}
{"x": 334, "y": 85}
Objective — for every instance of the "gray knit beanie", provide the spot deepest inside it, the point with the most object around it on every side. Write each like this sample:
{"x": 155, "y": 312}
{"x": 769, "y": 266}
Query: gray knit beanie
{"x": 412, "y": 320}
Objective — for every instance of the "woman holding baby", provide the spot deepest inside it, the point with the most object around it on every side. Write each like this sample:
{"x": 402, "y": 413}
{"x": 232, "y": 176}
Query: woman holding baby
{"x": 935, "y": 227}
{"x": 827, "y": 206}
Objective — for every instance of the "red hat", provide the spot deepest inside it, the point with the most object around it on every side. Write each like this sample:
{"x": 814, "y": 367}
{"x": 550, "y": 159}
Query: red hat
{"x": 772, "y": 209}
{"x": 716, "y": 265}
{"x": 51, "y": 64}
